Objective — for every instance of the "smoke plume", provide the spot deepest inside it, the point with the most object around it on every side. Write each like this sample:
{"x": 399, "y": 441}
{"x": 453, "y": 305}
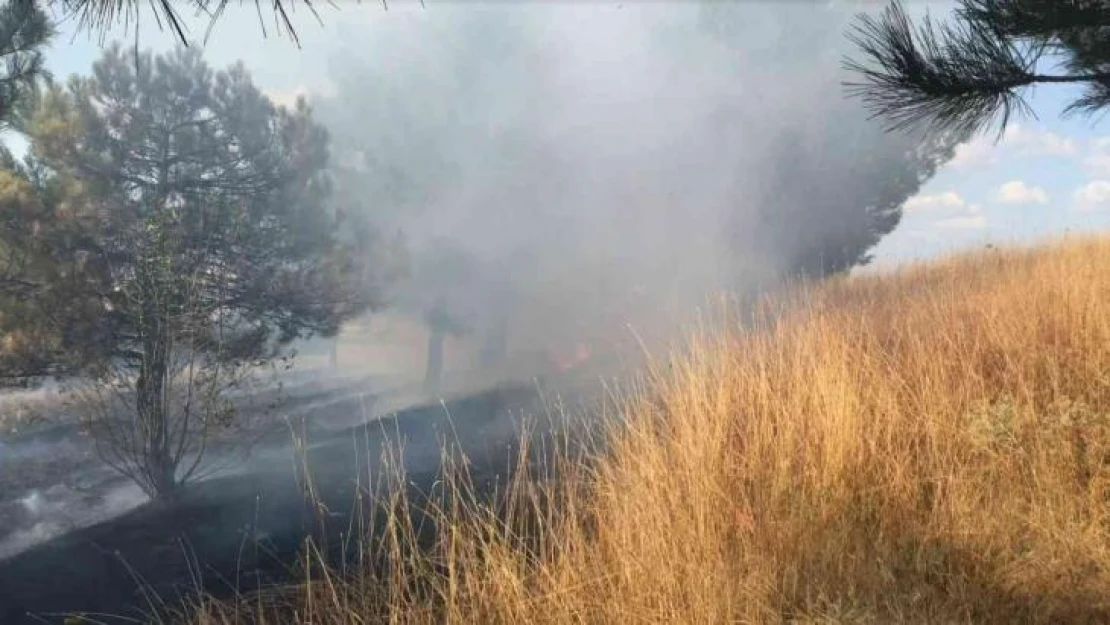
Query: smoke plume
{"x": 607, "y": 165}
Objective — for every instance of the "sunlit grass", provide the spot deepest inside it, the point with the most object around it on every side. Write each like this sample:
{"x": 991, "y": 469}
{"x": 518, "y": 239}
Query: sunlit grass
{"x": 925, "y": 446}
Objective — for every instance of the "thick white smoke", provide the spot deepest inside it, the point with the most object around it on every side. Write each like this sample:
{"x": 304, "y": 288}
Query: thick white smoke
{"x": 613, "y": 163}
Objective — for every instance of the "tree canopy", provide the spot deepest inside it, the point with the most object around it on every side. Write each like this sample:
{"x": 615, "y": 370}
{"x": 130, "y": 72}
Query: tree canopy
{"x": 200, "y": 165}
{"x": 971, "y": 71}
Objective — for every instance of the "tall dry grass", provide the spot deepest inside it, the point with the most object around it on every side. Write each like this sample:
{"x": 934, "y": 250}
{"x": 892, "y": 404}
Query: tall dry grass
{"x": 925, "y": 446}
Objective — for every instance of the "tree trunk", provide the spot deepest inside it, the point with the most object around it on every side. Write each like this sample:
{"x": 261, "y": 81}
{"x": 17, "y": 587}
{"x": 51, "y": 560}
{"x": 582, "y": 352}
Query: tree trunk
{"x": 496, "y": 342}
{"x": 434, "y": 373}
{"x": 156, "y": 463}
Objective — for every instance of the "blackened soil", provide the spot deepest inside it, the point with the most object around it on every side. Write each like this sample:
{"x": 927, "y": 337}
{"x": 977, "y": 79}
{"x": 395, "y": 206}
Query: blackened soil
{"x": 236, "y": 532}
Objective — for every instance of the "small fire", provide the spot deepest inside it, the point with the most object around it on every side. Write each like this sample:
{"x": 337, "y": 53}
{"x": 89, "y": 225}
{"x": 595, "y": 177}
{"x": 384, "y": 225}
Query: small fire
{"x": 564, "y": 361}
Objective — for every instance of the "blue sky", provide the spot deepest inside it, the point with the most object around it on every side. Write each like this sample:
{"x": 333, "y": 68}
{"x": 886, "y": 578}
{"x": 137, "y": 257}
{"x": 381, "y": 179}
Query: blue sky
{"x": 1047, "y": 176}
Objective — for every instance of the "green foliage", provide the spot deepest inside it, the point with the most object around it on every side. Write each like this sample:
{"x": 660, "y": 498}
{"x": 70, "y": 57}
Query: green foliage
{"x": 970, "y": 72}
{"x": 42, "y": 310}
{"x": 24, "y": 31}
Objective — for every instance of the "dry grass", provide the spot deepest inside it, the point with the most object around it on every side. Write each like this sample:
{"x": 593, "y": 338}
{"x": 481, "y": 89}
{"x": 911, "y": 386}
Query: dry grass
{"x": 927, "y": 446}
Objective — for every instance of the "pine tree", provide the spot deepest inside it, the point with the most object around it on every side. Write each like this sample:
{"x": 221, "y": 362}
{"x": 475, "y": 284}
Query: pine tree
{"x": 183, "y": 233}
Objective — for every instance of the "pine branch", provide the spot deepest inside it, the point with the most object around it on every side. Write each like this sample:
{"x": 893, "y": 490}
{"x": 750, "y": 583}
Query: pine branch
{"x": 100, "y": 15}
{"x": 957, "y": 77}
{"x": 965, "y": 76}
{"x": 1042, "y": 20}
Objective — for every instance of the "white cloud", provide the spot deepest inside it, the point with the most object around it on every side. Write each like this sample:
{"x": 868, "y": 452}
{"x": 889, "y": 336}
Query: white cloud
{"x": 1017, "y": 192}
{"x": 949, "y": 200}
{"x": 978, "y": 151}
{"x": 953, "y": 211}
{"x": 1039, "y": 142}
{"x": 1093, "y": 196}
{"x": 984, "y": 149}
{"x": 1097, "y": 161}
{"x": 1097, "y": 165}
{"x": 969, "y": 222}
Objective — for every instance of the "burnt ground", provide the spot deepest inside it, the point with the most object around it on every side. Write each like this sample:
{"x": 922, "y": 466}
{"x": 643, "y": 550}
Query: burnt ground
{"x": 236, "y": 532}
{"x": 52, "y": 480}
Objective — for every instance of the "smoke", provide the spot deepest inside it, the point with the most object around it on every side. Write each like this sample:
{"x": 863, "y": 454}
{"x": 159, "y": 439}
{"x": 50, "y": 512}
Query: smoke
{"x": 608, "y": 165}
{"x": 59, "y": 509}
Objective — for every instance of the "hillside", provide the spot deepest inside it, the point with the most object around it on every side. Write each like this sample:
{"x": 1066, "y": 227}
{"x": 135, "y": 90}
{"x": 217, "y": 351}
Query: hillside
{"x": 930, "y": 445}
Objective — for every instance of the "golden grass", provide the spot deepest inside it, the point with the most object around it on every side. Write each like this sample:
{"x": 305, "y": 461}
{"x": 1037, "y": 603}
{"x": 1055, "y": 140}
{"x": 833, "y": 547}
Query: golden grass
{"x": 925, "y": 446}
